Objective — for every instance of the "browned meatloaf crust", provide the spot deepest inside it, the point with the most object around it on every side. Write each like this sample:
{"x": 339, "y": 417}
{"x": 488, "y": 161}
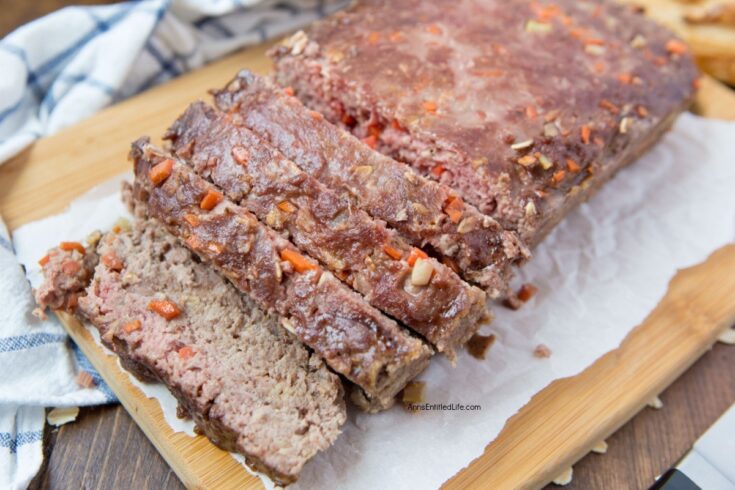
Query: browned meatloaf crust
{"x": 427, "y": 214}
{"x": 249, "y": 385}
{"x": 524, "y": 107}
{"x": 355, "y": 339}
{"x": 427, "y": 297}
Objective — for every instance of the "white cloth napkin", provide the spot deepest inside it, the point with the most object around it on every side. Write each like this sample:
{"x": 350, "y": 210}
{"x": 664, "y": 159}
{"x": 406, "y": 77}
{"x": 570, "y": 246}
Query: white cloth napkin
{"x": 56, "y": 71}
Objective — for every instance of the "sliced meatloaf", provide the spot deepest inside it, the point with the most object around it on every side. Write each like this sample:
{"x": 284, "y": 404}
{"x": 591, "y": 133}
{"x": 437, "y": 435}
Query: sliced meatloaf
{"x": 524, "y": 107}
{"x": 67, "y": 270}
{"x": 427, "y": 214}
{"x": 249, "y": 385}
{"x": 355, "y": 339}
{"x": 424, "y": 294}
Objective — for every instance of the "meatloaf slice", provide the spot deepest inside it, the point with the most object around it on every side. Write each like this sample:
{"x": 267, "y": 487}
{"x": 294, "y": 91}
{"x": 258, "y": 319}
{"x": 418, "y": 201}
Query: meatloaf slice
{"x": 524, "y": 107}
{"x": 67, "y": 270}
{"x": 249, "y": 385}
{"x": 355, "y": 339}
{"x": 427, "y": 214}
{"x": 424, "y": 294}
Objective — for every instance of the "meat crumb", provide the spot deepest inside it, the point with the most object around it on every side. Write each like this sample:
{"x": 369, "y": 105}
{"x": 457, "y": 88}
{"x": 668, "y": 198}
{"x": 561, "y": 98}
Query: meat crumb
{"x": 564, "y": 478}
{"x": 85, "y": 380}
{"x": 526, "y": 292}
{"x": 62, "y": 415}
{"x": 541, "y": 351}
{"x": 655, "y": 403}
{"x": 478, "y": 345}
{"x": 523, "y": 295}
{"x": 413, "y": 393}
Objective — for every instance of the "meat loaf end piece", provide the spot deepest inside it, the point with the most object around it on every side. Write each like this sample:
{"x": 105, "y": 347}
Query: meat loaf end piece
{"x": 249, "y": 385}
{"x": 524, "y": 107}
{"x": 428, "y": 214}
{"x": 424, "y": 294}
{"x": 355, "y": 339}
{"x": 67, "y": 270}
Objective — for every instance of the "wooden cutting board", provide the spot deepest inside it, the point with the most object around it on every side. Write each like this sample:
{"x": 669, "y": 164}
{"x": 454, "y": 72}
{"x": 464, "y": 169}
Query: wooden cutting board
{"x": 554, "y": 430}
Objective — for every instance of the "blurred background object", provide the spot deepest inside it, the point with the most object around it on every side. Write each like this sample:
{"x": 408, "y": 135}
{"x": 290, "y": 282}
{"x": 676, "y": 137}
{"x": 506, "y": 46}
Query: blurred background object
{"x": 708, "y": 26}
{"x": 17, "y": 13}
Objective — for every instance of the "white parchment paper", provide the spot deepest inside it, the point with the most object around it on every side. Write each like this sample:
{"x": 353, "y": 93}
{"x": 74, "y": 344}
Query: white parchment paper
{"x": 599, "y": 274}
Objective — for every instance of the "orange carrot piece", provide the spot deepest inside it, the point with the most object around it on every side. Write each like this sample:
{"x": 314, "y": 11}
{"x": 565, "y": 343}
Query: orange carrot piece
{"x": 317, "y": 116}
{"x": 625, "y": 78}
{"x": 609, "y": 106}
{"x": 299, "y": 262}
{"x": 396, "y": 37}
{"x": 112, "y": 261}
{"x": 44, "y": 260}
{"x": 585, "y": 133}
{"x": 286, "y": 207}
{"x": 416, "y": 253}
{"x": 371, "y": 141}
{"x": 69, "y": 246}
{"x": 289, "y": 91}
{"x": 674, "y": 46}
{"x": 132, "y": 326}
{"x": 558, "y": 176}
{"x": 438, "y": 170}
{"x": 210, "y": 200}
{"x": 192, "y": 219}
{"x": 434, "y": 29}
{"x": 186, "y": 352}
{"x": 393, "y": 253}
{"x": 375, "y": 130}
{"x": 454, "y": 208}
{"x": 166, "y": 309}
{"x": 430, "y": 106}
{"x": 161, "y": 171}
{"x": 531, "y": 112}
{"x": 526, "y": 292}
{"x": 373, "y": 37}
{"x": 573, "y": 166}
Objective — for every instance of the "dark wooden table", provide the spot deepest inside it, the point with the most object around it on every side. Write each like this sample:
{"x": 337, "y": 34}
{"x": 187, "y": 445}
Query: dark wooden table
{"x": 105, "y": 449}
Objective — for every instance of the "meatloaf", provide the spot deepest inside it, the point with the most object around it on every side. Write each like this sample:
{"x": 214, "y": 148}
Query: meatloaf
{"x": 524, "y": 107}
{"x": 355, "y": 339}
{"x": 424, "y": 294}
{"x": 249, "y": 385}
{"x": 67, "y": 270}
{"x": 428, "y": 214}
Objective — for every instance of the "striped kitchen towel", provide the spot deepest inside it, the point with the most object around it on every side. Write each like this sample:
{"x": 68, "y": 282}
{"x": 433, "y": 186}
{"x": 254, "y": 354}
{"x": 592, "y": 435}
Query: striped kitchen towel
{"x": 57, "y": 71}
{"x": 39, "y": 369}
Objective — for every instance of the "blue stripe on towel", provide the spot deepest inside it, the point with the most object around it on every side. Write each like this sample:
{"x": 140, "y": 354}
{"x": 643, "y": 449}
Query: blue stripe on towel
{"x": 21, "y": 342}
{"x": 12, "y": 442}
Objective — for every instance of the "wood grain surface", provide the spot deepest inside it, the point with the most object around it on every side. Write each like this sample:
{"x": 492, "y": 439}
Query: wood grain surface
{"x": 105, "y": 449}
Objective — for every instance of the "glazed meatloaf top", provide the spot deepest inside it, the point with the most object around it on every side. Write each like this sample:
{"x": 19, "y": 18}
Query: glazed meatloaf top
{"x": 355, "y": 339}
{"x": 515, "y": 104}
{"x": 419, "y": 291}
{"x": 426, "y": 213}
{"x": 249, "y": 385}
